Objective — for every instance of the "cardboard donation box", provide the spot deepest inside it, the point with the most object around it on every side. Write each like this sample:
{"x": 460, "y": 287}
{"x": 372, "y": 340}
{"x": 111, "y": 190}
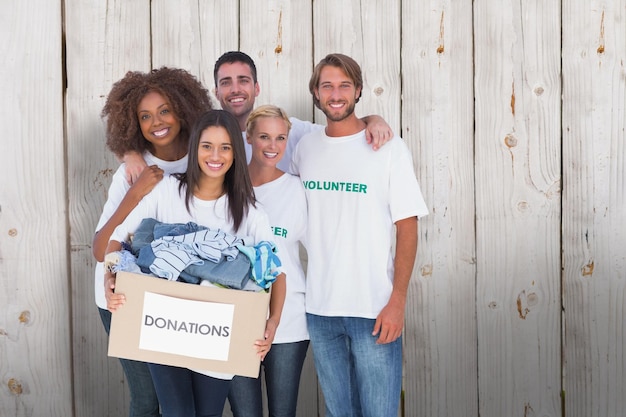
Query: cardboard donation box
{"x": 188, "y": 325}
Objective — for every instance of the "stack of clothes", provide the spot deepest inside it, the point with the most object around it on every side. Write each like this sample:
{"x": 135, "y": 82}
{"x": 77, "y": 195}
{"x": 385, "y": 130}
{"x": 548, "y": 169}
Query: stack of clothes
{"x": 198, "y": 255}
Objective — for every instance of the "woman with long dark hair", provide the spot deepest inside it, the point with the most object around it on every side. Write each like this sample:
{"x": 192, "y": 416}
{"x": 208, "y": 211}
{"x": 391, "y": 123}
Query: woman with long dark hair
{"x": 215, "y": 192}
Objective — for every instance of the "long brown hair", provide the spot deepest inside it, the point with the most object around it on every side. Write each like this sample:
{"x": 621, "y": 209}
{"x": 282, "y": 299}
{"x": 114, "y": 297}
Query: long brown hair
{"x": 237, "y": 182}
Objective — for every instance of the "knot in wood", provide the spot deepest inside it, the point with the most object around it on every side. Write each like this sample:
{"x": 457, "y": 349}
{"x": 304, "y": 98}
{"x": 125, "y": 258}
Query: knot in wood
{"x": 510, "y": 141}
{"x": 15, "y": 387}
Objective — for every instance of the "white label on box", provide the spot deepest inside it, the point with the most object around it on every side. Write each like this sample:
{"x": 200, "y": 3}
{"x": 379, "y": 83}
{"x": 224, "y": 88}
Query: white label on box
{"x": 197, "y": 329}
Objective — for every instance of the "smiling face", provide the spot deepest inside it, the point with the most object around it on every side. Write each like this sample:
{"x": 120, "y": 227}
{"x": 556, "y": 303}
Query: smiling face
{"x": 268, "y": 140}
{"x": 336, "y": 93}
{"x": 215, "y": 152}
{"x": 159, "y": 125}
{"x": 236, "y": 90}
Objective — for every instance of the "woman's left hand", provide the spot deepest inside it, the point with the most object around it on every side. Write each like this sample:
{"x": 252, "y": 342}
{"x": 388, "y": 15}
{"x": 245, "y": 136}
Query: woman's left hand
{"x": 263, "y": 346}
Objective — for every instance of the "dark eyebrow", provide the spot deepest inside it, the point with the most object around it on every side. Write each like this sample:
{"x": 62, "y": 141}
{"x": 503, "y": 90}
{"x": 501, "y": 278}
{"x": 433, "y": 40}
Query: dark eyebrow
{"x": 158, "y": 108}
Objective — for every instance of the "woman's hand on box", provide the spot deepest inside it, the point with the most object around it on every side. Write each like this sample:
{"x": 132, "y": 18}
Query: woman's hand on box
{"x": 114, "y": 301}
{"x": 263, "y": 346}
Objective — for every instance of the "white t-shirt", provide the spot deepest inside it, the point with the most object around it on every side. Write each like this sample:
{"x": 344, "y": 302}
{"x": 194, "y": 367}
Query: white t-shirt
{"x": 118, "y": 189}
{"x": 166, "y": 204}
{"x": 355, "y": 195}
{"x": 299, "y": 128}
{"x": 285, "y": 204}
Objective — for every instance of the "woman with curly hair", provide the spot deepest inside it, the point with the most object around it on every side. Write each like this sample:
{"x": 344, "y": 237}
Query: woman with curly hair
{"x": 214, "y": 192}
{"x": 152, "y": 114}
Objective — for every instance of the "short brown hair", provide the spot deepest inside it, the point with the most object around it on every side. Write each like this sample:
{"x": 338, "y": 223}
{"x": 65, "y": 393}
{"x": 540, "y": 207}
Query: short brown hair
{"x": 348, "y": 65}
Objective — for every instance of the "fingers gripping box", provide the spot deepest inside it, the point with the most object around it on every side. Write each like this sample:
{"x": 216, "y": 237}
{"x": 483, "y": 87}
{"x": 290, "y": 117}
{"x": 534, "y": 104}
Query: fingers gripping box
{"x": 187, "y": 325}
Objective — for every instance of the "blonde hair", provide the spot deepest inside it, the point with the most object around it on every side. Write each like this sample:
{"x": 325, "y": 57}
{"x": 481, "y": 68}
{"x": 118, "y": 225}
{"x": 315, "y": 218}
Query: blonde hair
{"x": 266, "y": 110}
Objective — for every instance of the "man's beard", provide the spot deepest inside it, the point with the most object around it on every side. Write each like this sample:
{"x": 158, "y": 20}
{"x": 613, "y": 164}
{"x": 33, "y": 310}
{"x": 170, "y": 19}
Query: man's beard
{"x": 335, "y": 117}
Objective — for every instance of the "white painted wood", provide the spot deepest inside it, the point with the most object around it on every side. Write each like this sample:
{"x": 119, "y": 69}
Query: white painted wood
{"x": 35, "y": 296}
{"x": 517, "y": 174}
{"x": 192, "y": 35}
{"x": 481, "y": 338}
{"x": 104, "y": 41}
{"x": 594, "y": 207}
{"x": 219, "y": 31}
{"x": 277, "y": 34}
{"x": 369, "y": 32}
{"x": 440, "y": 346}
{"x": 176, "y": 40}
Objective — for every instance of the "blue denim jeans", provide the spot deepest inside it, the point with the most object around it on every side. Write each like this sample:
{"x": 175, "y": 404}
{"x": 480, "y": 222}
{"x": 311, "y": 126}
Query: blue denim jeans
{"x": 143, "y": 398}
{"x": 282, "y": 367}
{"x": 185, "y": 393}
{"x": 233, "y": 273}
{"x": 358, "y": 377}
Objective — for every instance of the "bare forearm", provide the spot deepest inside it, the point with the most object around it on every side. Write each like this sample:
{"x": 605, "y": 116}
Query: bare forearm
{"x": 146, "y": 182}
{"x": 102, "y": 236}
{"x": 406, "y": 251}
{"x": 277, "y": 300}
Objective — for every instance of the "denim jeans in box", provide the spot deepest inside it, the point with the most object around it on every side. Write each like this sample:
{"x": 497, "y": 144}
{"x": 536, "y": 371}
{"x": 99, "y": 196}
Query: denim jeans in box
{"x": 233, "y": 273}
{"x": 230, "y": 273}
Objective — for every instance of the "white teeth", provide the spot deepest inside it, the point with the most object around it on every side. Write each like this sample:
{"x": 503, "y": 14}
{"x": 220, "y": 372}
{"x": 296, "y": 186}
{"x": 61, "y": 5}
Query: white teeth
{"x": 161, "y": 133}
{"x": 236, "y": 100}
{"x": 214, "y": 165}
{"x": 270, "y": 154}
{"x": 336, "y": 105}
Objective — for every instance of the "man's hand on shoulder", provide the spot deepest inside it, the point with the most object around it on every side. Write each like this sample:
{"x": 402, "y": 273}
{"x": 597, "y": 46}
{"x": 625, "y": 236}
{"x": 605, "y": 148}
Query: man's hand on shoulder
{"x": 377, "y": 132}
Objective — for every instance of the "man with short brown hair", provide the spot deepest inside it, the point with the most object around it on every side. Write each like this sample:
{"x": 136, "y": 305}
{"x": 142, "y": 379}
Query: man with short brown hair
{"x": 356, "y": 284}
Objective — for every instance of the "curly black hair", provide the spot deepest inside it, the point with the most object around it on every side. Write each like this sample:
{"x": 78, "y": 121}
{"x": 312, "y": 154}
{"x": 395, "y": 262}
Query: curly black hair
{"x": 187, "y": 96}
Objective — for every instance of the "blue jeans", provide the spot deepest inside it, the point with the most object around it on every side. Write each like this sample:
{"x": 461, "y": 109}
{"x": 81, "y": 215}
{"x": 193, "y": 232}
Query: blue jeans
{"x": 358, "y": 377}
{"x": 143, "y": 398}
{"x": 282, "y": 367}
{"x": 185, "y": 393}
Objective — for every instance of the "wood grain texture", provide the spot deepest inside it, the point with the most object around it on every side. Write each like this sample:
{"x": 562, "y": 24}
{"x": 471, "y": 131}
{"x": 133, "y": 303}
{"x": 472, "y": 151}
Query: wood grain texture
{"x": 594, "y": 207}
{"x": 518, "y": 290}
{"x": 219, "y": 33}
{"x": 277, "y": 34}
{"x": 104, "y": 41}
{"x": 517, "y": 174}
{"x": 353, "y": 30}
{"x": 437, "y": 124}
{"x": 35, "y": 297}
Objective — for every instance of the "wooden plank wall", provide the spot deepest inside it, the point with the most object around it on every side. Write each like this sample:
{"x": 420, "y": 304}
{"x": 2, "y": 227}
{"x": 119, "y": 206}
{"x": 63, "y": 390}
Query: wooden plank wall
{"x": 594, "y": 207}
{"x": 515, "y": 113}
{"x": 518, "y": 190}
{"x": 437, "y": 122}
{"x": 35, "y": 298}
